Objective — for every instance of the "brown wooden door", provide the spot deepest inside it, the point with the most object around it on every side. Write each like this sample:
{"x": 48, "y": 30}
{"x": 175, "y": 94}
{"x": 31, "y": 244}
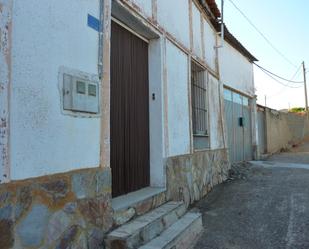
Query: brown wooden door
{"x": 129, "y": 112}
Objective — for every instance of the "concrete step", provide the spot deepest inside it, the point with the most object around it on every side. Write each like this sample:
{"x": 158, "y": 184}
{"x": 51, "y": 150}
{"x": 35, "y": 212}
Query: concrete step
{"x": 146, "y": 227}
{"x": 181, "y": 235}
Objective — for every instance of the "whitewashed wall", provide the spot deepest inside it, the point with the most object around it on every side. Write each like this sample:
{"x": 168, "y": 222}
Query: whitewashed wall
{"x": 235, "y": 70}
{"x": 178, "y": 102}
{"x": 144, "y": 5}
{"x": 173, "y": 15}
{"x": 210, "y": 41}
{"x": 46, "y": 35}
{"x": 55, "y": 34}
{"x": 215, "y": 109}
{"x": 197, "y": 32}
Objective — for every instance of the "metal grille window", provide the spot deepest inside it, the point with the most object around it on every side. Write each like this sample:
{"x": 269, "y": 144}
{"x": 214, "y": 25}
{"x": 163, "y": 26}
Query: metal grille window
{"x": 199, "y": 101}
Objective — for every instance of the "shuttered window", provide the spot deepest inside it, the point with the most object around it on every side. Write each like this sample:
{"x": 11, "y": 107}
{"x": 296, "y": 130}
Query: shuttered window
{"x": 199, "y": 101}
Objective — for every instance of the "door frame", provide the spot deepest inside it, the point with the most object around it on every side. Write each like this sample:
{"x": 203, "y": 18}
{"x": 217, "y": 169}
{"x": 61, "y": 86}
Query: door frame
{"x": 155, "y": 41}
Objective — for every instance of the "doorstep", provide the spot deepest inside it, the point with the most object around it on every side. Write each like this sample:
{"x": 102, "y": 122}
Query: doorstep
{"x": 133, "y": 198}
{"x": 137, "y": 203}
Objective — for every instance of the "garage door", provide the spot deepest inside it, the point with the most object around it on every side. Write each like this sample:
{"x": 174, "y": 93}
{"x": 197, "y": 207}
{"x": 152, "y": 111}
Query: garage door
{"x": 238, "y": 123}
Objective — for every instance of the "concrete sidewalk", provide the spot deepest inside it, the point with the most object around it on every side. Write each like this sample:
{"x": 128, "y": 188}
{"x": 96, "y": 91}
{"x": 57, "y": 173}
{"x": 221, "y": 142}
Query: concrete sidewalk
{"x": 268, "y": 208}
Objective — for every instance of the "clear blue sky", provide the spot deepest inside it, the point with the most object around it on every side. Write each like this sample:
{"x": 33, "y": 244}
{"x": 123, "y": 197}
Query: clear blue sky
{"x": 285, "y": 24}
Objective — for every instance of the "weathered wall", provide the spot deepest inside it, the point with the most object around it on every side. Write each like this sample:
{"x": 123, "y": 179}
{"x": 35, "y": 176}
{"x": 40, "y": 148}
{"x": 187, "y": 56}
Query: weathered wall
{"x": 216, "y": 124}
{"x": 173, "y": 16}
{"x": 306, "y": 128}
{"x": 210, "y": 41}
{"x": 44, "y": 140}
{"x": 283, "y": 130}
{"x": 183, "y": 23}
{"x": 53, "y": 34}
{"x": 190, "y": 177}
{"x": 178, "y": 101}
{"x": 144, "y": 6}
{"x": 5, "y": 86}
{"x": 197, "y": 31}
{"x": 60, "y": 211}
{"x": 63, "y": 142}
{"x": 235, "y": 70}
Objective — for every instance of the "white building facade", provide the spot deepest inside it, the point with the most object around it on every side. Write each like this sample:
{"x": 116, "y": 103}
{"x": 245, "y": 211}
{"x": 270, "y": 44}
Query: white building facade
{"x": 65, "y": 123}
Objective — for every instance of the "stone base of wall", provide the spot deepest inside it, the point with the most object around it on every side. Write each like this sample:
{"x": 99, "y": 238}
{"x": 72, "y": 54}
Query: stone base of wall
{"x": 190, "y": 177}
{"x": 71, "y": 210}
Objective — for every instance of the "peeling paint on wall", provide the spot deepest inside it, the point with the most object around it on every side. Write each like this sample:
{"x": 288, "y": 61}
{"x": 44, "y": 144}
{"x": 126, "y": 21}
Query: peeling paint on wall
{"x": 5, "y": 85}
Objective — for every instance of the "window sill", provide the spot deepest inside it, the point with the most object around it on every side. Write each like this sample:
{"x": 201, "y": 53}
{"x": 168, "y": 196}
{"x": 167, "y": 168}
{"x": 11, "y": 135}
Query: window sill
{"x": 200, "y": 135}
{"x": 201, "y": 150}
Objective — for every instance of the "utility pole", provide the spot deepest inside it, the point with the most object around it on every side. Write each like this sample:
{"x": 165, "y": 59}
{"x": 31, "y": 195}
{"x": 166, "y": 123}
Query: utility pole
{"x": 305, "y": 87}
{"x": 265, "y": 101}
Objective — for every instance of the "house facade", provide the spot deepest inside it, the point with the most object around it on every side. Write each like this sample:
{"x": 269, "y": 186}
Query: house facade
{"x": 103, "y": 123}
{"x": 236, "y": 74}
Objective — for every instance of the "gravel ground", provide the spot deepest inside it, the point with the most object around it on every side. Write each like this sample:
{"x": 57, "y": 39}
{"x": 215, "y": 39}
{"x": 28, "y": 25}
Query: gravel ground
{"x": 298, "y": 154}
{"x": 257, "y": 208}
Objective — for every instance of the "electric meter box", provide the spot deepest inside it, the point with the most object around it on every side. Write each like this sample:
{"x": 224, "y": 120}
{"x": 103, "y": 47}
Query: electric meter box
{"x": 80, "y": 94}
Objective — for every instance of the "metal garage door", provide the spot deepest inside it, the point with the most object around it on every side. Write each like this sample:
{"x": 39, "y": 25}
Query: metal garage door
{"x": 228, "y": 110}
{"x": 238, "y": 123}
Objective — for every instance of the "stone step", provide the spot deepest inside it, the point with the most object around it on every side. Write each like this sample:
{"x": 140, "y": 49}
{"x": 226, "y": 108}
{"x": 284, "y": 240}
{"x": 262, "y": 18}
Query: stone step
{"x": 181, "y": 235}
{"x": 146, "y": 227}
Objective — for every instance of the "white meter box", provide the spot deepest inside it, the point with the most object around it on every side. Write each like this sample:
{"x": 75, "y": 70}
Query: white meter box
{"x": 80, "y": 94}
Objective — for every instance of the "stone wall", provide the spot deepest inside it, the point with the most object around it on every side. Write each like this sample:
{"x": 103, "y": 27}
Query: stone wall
{"x": 283, "y": 130}
{"x": 71, "y": 210}
{"x": 190, "y": 177}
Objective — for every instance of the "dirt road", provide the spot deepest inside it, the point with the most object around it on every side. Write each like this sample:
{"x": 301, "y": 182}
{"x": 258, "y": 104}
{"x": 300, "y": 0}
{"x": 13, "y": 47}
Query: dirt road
{"x": 267, "y": 207}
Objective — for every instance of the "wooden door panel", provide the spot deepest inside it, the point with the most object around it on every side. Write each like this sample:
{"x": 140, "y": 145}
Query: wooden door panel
{"x": 129, "y": 112}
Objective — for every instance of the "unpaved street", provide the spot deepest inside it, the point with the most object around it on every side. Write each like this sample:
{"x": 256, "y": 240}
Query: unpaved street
{"x": 267, "y": 206}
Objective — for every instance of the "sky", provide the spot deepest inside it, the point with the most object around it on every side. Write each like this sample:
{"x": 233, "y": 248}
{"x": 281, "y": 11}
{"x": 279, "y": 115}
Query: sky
{"x": 286, "y": 25}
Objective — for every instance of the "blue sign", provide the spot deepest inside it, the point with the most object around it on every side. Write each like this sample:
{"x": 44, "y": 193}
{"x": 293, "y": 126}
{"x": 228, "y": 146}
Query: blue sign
{"x": 93, "y": 23}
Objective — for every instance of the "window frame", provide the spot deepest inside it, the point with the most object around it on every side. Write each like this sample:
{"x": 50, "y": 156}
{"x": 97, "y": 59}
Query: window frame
{"x": 196, "y": 68}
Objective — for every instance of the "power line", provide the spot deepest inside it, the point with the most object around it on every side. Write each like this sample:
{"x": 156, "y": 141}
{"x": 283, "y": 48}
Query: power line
{"x": 276, "y": 75}
{"x": 269, "y": 75}
{"x": 297, "y": 72}
{"x": 283, "y": 89}
{"x": 260, "y": 32}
